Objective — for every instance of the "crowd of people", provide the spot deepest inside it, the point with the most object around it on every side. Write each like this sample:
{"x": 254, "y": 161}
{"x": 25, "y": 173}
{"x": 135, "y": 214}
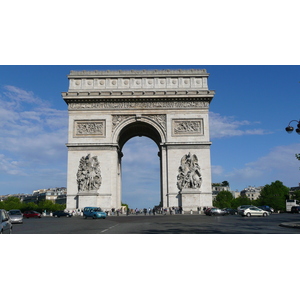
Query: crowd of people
{"x": 143, "y": 211}
{"x": 146, "y": 211}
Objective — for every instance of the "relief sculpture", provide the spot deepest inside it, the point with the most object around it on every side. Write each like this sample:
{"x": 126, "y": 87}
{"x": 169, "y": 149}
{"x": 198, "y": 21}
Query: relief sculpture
{"x": 189, "y": 176}
{"x": 89, "y": 174}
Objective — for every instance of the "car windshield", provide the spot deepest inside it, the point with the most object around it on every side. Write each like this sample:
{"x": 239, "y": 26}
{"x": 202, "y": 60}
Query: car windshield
{"x": 15, "y": 212}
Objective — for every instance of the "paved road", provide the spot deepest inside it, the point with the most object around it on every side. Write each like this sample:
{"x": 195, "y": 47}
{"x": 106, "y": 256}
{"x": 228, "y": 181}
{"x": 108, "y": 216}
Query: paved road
{"x": 175, "y": 224}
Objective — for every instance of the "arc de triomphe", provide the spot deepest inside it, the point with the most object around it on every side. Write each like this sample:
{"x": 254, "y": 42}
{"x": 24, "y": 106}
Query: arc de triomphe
{"x": 107, "y": 108}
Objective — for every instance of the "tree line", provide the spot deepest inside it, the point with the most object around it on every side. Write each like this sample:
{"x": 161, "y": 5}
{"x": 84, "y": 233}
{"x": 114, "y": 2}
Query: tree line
{"x": 273, "y": 195}
{"x": 41, "y": 206}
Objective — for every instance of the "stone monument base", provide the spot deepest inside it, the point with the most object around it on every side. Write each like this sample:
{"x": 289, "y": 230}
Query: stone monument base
{"x": 190, "y": 199}
{"x": 87, "y": 199}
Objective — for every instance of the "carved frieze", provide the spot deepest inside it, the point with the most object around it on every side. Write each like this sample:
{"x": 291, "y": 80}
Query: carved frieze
{"x": 159, "y": 119}
{"x": 118, "y": 119}
{"x": 138, "y": 105}
{"x": 89, "y": 175}
{"x": 189, "y": 176}
{"x": 187, "y": 127}
{"x": 89, "y": 128}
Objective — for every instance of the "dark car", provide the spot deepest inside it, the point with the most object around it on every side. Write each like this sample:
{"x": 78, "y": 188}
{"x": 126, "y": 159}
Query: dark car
{"x": 231, "y": 211}
{"x": 295, "y": 209}
{"x": 267, "y": 208}
{"x": 61, "y": 213}
{"x": 216, "y": 212}
{"x": 31, "y": 214}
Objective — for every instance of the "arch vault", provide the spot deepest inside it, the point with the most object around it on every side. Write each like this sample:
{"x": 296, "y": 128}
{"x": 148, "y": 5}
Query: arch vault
{"x": 107, "y": 108}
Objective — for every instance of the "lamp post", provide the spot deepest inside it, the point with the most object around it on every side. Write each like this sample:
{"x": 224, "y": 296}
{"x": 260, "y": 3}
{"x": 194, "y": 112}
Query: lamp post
{"x": 290, "y": 129}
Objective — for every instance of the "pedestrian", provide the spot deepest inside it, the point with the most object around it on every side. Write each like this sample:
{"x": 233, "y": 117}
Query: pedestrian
{"x": 180, "y": 209}
{"x": 145, "y": 211}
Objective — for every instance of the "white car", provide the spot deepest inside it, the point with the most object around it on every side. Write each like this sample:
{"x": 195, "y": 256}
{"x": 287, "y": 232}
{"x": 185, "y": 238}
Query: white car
{"x": 5, "y": 223}
{"x": 254, "y": 211}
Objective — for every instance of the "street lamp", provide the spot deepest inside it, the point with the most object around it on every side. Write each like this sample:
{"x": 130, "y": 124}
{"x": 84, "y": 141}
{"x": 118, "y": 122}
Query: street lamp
{"x": 290, "y": 129}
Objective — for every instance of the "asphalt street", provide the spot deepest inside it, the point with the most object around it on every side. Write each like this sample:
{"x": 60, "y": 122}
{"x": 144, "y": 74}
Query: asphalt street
{"x": 159, "y": 224}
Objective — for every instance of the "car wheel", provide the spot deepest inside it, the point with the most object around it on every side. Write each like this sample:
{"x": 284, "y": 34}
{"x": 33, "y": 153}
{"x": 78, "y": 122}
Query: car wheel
{"x": 265, "y": 214}
{"x": 94, "y": 217}
{"x": 85, "y": 217}
{"x": 248, "y": 215}
{"x": 68, "y": 216}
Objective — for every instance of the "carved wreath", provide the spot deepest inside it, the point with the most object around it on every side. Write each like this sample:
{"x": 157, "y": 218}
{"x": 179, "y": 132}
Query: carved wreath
{"x": 189, "y": 176}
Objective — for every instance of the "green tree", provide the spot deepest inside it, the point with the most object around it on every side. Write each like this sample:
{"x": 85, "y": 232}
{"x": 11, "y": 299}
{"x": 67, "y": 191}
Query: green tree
{"x": 225, "y": 183}
{"x": 223, "y": 199}
{"x": 274, "y": 195}
{"x": 240, "y": 201}
{"x": 295, "y": 195}
{"x": 11, "y": 203}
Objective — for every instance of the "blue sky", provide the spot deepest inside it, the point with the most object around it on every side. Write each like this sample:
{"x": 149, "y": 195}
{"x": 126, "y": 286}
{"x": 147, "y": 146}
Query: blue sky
{"x": 248, "y": 116}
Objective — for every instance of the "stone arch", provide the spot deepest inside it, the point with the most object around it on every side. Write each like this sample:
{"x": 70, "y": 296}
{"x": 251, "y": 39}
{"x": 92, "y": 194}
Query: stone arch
{"x": 107, "y": 108}
{"x": 139, "y": 126}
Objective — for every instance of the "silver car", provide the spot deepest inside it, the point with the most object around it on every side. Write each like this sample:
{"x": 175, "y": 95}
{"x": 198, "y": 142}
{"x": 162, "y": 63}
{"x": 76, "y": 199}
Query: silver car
{"x": 16, "y": 216}
{"x": 254, "y": 211}
{"x": 5, "y": 223}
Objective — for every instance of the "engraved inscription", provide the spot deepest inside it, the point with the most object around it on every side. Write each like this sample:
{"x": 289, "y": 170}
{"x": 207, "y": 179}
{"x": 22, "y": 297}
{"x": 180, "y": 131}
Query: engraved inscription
{"x": 188, "y": 127}
{"x": 89, "y": 128}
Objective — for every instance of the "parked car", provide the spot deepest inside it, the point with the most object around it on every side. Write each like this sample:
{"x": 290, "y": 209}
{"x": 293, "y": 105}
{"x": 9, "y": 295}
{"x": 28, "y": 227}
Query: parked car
{"x": 267, "y": 208}
{"x": 207, "y": 211}
{"x": 217, "y": 212}
{"x": 295, "y": 209}
{"x": 16, "y": 216}
{"x": 31, "y": 214}
{"x": 242, "y": 207}
{"x": 94, "y": 212}
{"x": 254, "y": 211}
{"x": 61, "y": 213}
{"x": 230, "y": 211}
{"x": 5, "y": 222}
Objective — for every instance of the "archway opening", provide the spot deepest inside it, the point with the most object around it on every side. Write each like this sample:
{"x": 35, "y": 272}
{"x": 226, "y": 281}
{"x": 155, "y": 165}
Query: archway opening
{"x": 141, "y": 174}
{"x": 140, "y": 165}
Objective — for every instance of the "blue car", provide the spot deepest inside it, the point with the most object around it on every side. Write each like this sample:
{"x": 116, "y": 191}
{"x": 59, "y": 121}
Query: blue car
{"x": 94, "y": 212}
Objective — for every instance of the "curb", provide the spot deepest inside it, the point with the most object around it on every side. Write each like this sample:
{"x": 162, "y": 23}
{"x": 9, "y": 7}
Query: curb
{"x": 290, "y": 225}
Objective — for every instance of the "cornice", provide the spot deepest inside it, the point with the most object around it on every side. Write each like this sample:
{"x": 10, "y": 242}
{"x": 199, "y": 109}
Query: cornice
{"x": 123, "y": 95}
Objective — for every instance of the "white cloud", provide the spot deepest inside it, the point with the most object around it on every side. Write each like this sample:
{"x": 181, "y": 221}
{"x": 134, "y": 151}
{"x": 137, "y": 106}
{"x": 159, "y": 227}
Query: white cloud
{"x": 32, "y": 133}
{"x": 279, "y": 164}
{"x": 217, "y": 170}
{"x": 227, "y": 126}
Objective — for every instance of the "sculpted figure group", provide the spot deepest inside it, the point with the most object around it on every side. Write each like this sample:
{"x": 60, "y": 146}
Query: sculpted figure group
{"x": 89, "y": 174}
{"x": 189, "y": 176}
